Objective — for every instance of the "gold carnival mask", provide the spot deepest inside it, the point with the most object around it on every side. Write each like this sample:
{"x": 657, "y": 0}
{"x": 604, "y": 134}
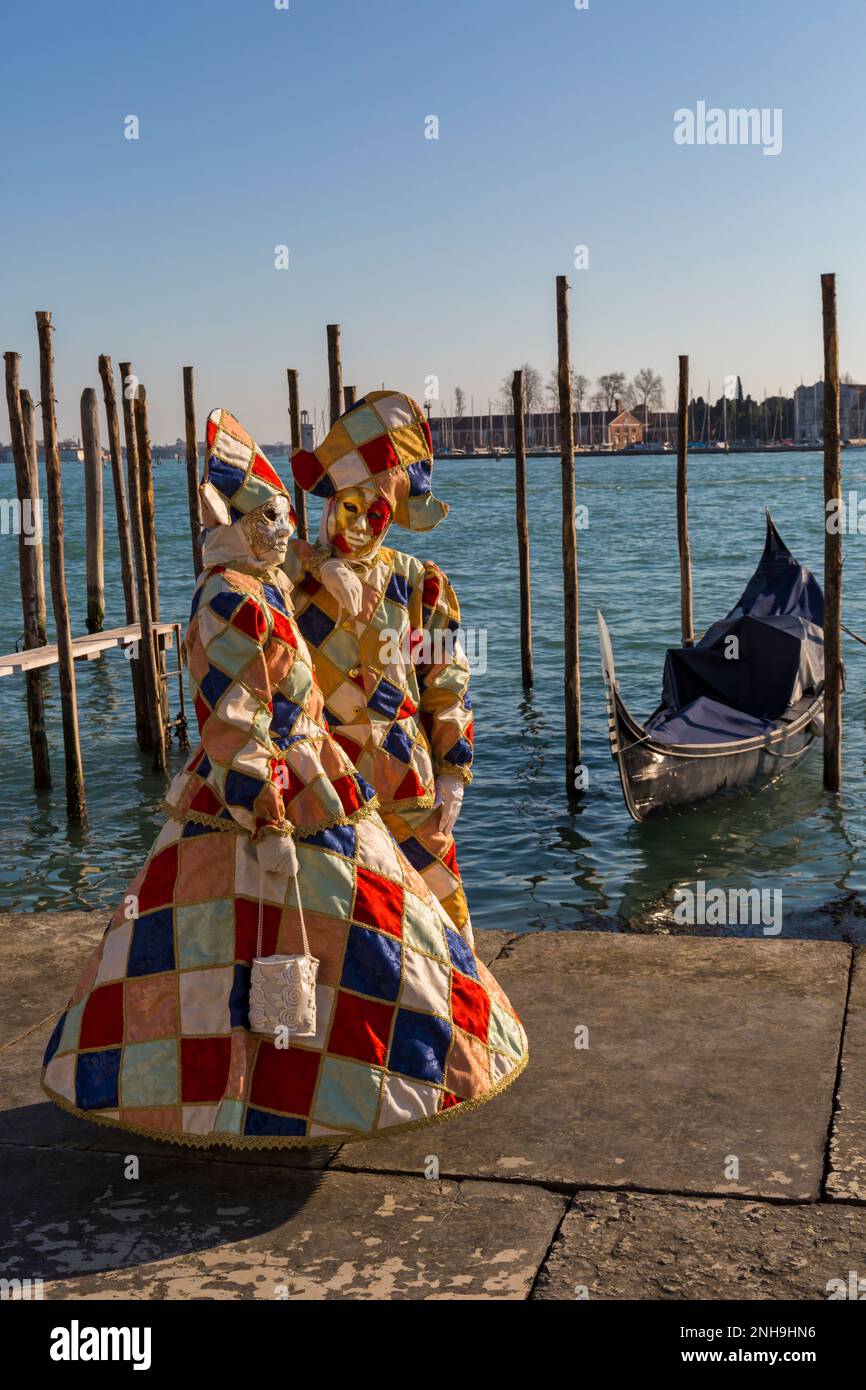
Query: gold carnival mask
{"x": 268, "y": 529}
{"x": 359, "y": 519}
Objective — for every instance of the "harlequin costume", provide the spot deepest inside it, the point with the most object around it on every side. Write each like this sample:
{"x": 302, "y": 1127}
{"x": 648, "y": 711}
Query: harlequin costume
{"x": 411, "y": 1026}
{"x": 394, "y": 679}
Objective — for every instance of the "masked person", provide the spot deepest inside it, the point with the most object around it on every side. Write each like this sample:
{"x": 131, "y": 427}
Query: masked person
{"x": 272, "y": 833}
{"x": 382, "y": 628}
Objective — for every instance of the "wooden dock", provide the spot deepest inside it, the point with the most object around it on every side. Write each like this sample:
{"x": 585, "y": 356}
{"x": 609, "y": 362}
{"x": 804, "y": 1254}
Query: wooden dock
{"x": 89, "y": 647}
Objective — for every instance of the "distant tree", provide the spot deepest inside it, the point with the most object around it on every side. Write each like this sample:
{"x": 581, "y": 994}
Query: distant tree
{"x": 610, "y": 386}
{"x": 533, "y": 390}
{"x": 579, "y": 390}
{"x": 648, "y": 389}
{"x": 459, "y": 402}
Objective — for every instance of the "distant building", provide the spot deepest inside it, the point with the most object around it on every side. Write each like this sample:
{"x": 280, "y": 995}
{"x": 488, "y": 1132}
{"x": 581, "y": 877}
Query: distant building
{"x": 624, "y": 429}
{"x": 809, "y": 412}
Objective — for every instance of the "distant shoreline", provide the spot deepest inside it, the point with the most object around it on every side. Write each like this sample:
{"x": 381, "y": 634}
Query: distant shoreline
{"x": 695, "y": 451}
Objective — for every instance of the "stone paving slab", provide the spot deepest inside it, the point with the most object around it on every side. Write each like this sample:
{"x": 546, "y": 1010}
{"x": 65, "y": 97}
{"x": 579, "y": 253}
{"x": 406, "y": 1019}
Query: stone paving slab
{"x": 203, "y": 1230}
{"x": 847, "y": 1177}
{"x": 41, "y": 954}
{"x": 619, "y": 1245}
{"x": 701, "y": 1051}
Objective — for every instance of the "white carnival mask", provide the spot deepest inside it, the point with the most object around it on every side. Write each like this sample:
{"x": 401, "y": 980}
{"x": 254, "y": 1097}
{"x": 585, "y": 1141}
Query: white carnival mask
{"x": 268, "y": 529}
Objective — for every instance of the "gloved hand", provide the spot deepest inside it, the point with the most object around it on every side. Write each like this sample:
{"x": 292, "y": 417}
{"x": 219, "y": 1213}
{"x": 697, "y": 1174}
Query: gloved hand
{"x": 276, "y": 854}
{"x": 343, "y": 585}
{"x": 449, "y": 795}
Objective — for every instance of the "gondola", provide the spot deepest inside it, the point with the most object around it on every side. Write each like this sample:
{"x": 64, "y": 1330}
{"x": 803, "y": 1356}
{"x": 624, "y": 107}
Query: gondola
{"x": 744, "y": 704}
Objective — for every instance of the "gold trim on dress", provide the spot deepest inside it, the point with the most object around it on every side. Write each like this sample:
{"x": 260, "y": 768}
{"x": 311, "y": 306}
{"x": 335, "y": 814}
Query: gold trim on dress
{"x": 280, "y": 1141}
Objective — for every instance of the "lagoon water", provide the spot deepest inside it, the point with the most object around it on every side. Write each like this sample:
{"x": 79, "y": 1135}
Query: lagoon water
{"x": 527, "y": 859}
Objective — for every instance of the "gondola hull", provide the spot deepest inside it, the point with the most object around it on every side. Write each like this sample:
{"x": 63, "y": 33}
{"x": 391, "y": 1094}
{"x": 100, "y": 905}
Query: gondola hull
{"x": 658, "y": 777}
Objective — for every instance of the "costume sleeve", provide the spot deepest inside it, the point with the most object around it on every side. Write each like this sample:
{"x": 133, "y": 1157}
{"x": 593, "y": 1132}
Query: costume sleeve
{"x": 232, "y": 691}
{"x": 443, "y": 678}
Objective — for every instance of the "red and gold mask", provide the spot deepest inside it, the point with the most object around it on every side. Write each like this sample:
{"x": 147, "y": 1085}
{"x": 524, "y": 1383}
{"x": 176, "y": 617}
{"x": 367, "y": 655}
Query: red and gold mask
{"x": 357, "y": 521}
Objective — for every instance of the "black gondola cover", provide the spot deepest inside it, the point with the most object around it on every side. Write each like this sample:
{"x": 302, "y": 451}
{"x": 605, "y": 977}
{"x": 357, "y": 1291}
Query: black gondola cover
{"x": 721, "y": 690}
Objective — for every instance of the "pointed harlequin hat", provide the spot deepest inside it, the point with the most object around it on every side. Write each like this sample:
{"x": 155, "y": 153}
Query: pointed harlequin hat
{"x": 237, "y": 476}
{"x": 383, "y": 442}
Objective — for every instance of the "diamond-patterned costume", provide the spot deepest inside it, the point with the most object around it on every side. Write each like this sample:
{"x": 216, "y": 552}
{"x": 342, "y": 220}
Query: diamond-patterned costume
{"x": 395, "y": 686}
{"x": 394, "y": 677}
{"x": 155, "y": 1039}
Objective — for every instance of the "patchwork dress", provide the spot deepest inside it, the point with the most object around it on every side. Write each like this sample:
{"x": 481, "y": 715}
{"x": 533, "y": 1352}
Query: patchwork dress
{"x": 411, "y": 1025}
{"x": 395, "y": 683}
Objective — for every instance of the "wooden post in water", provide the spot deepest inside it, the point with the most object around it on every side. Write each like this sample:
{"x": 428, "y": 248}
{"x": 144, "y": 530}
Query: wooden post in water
{"x": 349, "y": 394}
{"x": 569, "y": 545}
{"x": 124, "y": 538}
{"x": 335, "y": 372}
{"x": 148, "y": 513}
{"x": 148, "y": 522}
{"x": 297, "y": 443}
{"x": 29, "y": 556}
{"x": 76, "y": 807}
{"x": 195, "y": 521}
{"x": 522, "y": 531}
{"x": 833, "y": 668}
{"x": 93, "y": 511}
{"x": 147, "y": 647}
{"x": 28, "y": 415}
{"x": 686, "y": 619}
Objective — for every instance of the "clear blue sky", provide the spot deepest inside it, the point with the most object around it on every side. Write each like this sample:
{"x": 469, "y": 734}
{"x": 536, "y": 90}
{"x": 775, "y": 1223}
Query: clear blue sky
{"x": 305, "y": 126}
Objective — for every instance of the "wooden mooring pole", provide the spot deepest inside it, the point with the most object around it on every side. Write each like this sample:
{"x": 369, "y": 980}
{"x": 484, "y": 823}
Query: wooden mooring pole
{"x": 349, "y": 395}
{"x": 335, "y": 372}
{"x": 93, "y": 511}
{"x": 147, "y": 647}
{"x": 297, "y": 443}
{"x": 573, "y": 770}
{"x": 124, "y": 539}
{"x": 28, "y": 415}
{"x": 148, "y": 510}
{"x": 833, "y": 667}
{"x": 148, "y": 522}
{"x": 686, "y": 619}
{"x": 522, "y": 530}
{"x": 76, "y": 806}
{"x": 193, "y": 498}
{"x": 29, "y": 558}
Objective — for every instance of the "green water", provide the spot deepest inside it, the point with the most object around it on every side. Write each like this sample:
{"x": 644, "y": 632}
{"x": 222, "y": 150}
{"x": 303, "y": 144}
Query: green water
{"x": 526, "y": 858}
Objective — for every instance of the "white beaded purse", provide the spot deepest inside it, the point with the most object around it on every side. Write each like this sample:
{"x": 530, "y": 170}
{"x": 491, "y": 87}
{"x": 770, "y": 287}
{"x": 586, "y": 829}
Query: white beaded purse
{"x": 283, "y": 988}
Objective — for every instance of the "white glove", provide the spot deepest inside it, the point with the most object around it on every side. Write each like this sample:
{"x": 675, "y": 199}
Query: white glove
{"x": 343, "y": 585}
{"x": 449, "y": 795}
{"x": 276, "y": 855}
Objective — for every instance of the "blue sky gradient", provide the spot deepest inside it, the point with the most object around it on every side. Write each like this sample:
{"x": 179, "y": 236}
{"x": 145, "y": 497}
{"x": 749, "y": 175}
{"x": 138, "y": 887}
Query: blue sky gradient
{"x": 305, "y": 127}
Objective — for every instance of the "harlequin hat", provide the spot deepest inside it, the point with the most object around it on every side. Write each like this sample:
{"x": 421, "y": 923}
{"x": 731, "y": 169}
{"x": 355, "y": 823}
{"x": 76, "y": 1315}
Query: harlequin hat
{"x": 383, "y": 441}
{"x": 237, "y": 476}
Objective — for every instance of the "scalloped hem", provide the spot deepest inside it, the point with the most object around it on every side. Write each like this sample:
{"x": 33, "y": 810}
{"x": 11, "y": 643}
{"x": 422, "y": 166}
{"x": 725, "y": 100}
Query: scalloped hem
{"x": 279, "y": 1141}
{"x": 410, "y": 803}
{"x": 234, "y": 827}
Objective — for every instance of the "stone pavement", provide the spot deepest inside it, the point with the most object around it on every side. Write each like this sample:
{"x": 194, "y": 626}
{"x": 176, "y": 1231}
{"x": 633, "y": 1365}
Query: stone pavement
{"x": 692, "y": 1124}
